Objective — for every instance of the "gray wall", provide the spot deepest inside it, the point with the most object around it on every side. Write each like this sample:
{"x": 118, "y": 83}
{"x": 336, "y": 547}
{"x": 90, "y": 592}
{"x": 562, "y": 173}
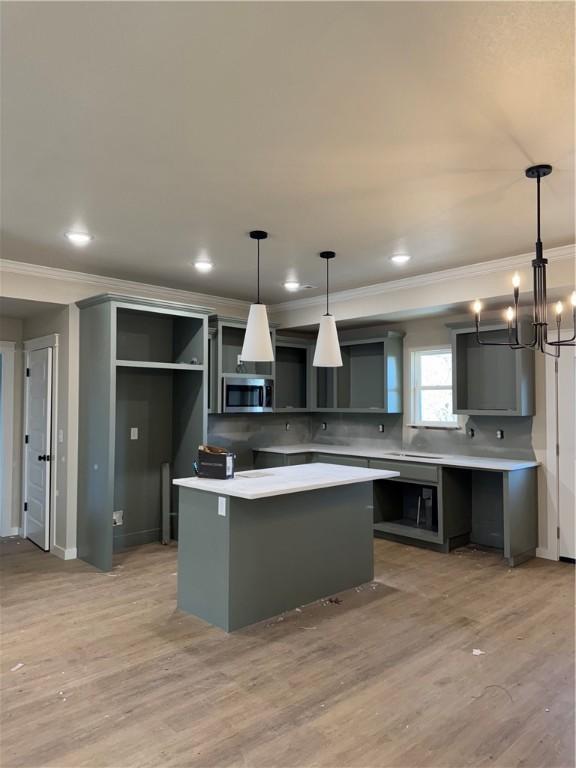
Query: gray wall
{"x": 243, "y": 433}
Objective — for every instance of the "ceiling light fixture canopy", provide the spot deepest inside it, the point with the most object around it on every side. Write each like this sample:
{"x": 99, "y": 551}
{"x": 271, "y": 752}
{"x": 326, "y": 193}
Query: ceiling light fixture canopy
{"x": 257, "y": 345}
{"x": 539, "y": 340}
{"x": 327, "y": 353}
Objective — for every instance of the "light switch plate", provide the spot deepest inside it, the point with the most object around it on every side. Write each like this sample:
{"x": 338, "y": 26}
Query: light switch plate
{"x": 118, "y": 517}
{"x": 133, "y": 433}
{"x": 222, "y": 506}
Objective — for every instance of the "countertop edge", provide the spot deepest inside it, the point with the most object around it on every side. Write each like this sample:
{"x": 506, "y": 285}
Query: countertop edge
{"x": 467, "y": 462}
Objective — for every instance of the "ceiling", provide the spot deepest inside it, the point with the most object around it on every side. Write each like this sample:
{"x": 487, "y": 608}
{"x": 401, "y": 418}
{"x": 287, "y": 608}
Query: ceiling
{"x": 169, "y": 130}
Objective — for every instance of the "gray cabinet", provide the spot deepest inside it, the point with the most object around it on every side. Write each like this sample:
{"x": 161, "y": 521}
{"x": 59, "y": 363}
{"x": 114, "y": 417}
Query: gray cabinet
{"x": 488, "y": 380}
{"x": 370, "y": 379}
{"x": 143, "y": 404}
{"x": 227, "y": 340}
{"x": 293, "y": 374}
{"x": 348, "y": 461}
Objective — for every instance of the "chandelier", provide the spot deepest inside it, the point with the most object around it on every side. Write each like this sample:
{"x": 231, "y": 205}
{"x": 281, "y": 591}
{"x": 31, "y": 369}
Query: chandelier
{"x": 539, "y": 337}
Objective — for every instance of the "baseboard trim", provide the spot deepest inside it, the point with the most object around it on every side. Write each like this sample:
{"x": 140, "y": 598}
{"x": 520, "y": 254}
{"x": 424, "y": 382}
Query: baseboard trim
{"x": 15, "y": 531}
{"x": 546, "y": 554}
{"x": 64, "y": 554}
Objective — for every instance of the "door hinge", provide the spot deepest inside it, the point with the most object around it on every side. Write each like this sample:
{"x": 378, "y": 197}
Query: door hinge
{"x": 25, "y": 506}
{"x": 26, "y": 438}
{"x": 28, "y": 373}
{"x": 557, "y": 531}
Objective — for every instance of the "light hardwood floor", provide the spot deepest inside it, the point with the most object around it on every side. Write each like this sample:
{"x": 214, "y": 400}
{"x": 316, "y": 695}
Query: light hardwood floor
{"x": 115, "y": 676}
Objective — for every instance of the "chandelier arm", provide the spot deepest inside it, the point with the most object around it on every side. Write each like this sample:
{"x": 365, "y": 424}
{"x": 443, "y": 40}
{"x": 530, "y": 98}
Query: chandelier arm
{"x": 519, "y": 344}
{"x": 491, "y": 343}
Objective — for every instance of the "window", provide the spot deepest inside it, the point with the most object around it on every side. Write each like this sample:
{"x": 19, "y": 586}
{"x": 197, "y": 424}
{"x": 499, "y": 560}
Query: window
{"x": 432, "y": 388}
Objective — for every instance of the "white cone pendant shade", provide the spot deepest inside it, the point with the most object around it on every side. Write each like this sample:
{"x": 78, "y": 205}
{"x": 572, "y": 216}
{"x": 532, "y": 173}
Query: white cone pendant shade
{"x": 327, "y": 352}
{"x": 257, "y": 343}
{"x": 257, "y": 347}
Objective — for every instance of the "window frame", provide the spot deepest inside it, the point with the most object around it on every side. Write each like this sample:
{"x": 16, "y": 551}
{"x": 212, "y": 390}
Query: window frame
{"x": 416, "y": 389}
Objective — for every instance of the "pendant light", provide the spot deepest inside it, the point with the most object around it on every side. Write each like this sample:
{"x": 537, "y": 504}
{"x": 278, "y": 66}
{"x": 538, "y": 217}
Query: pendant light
{"x": 327, "y": 352}
{"x": 257, "y": 343}
{"x": 540, "y": 339}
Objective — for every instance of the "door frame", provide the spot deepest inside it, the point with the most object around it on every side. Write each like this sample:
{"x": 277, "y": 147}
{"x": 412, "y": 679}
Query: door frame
{"x": 8, "y": 352}
{"x": 43, "y": 342}
{"x": 552, "y": 551}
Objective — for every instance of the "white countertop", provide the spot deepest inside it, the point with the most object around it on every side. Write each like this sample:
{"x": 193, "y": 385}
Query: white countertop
{"x": 262, "y": 483}
{"x": 452, "y": 460}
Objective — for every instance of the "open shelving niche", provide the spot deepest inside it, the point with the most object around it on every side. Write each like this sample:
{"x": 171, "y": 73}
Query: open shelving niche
{"x": 142, "y": 366}
{"x": 370, "y": 379}
{"x": 477, "y": 391}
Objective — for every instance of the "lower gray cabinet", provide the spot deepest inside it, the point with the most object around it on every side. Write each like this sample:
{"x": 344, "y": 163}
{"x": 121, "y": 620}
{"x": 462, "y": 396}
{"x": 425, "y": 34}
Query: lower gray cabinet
{"x": 348, "y": 461}
{"x": 268, "y": 460}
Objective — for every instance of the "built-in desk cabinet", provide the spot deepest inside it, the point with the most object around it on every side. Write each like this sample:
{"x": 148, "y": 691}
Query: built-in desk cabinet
{"x": 491, "y": 380}
{"x": 142, "y": 407}
{"x": 443, "y": 507}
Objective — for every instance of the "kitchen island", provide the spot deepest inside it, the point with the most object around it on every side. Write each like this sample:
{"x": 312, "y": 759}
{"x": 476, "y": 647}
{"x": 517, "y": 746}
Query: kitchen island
{"x": 267, "y": 541}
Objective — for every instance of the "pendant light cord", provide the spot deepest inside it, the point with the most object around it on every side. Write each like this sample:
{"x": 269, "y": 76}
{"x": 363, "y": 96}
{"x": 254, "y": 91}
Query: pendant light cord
{"x": 327, "y": 283}
{"x": 258, "y": 279}
{"x": 538, "y": 206}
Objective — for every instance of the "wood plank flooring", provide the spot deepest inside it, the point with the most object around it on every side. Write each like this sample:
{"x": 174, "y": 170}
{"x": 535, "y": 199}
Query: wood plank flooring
{"x": 114, "y": 676}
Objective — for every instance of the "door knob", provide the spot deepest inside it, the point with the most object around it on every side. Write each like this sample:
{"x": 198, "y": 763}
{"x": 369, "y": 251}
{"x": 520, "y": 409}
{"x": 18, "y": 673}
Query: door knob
{"x": 42, "y": 458}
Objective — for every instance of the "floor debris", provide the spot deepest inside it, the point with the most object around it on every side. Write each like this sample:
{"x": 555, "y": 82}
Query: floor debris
{"x": 478, "y": 652}
{"x": 16, "y": 667}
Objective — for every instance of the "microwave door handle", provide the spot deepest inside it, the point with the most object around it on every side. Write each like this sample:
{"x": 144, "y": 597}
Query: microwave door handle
{"x": 261, "y": 396}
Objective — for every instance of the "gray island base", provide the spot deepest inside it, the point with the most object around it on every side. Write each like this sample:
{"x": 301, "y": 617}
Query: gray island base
{"x": 271, "y": 540}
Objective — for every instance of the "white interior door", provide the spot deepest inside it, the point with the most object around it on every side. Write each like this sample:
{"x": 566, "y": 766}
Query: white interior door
{"x": 38, "y": 447}
{"x": 567, "y": 452}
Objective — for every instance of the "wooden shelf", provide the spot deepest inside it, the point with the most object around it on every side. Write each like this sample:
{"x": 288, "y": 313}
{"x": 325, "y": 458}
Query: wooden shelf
{"x": 158, "y": 366}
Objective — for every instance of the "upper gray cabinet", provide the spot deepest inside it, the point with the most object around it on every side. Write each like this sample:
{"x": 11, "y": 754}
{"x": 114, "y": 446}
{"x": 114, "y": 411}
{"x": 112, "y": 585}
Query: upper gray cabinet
{"x": 370, "y": 378}
{"x": 226, "y": 339}
{"x": 293, "y": 374}
{"x": 489, "y": 380}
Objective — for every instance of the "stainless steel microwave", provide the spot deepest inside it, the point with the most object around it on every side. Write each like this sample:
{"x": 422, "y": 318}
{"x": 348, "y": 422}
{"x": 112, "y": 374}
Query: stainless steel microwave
{"x": 247, "y": 395}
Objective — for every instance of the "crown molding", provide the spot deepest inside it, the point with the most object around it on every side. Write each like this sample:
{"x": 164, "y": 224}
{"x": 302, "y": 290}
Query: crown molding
{"x": 119, "y": 285}
{"x": 239, "y": 308}
{"x": 480, "y": 269}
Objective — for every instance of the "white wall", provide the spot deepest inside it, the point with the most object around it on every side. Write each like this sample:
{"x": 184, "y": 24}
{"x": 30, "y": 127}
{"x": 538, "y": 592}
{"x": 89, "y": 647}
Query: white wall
{"x": 11, "y": 329}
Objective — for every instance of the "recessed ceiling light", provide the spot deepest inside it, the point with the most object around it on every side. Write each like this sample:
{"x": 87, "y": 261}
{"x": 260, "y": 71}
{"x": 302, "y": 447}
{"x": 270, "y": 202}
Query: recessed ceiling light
{"x": 291, "y": 285}
{"x": 203, "y": 266}
{"x": 80, "y": 239}
{"x": 400, "y": 258}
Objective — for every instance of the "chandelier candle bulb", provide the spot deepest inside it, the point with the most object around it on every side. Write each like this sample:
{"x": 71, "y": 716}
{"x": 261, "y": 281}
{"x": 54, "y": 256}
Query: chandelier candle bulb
{"x": 559, "y": 308}
{"x": 509, "y": 315}
{"x": 573, "y": 300}
{"x": 477, "y": 307}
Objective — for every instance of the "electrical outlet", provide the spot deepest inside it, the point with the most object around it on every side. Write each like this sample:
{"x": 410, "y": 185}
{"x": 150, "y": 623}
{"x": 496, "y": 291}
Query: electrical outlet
{"x": 380, "y": 427}
{"x": 500, "y": 434}
{"x": 118, "y": 517}
{"x": 133, "y": 433}
{"x": 471, "y": 432}
{"x": 287, "y": 426}
{"x": 324, "y": 426}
